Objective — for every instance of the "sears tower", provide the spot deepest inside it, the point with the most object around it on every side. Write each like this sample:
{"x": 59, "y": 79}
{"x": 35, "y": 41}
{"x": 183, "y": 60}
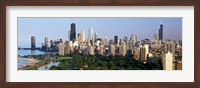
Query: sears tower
{"x": 73, "y": 32}
{"x": 161, "y": 32}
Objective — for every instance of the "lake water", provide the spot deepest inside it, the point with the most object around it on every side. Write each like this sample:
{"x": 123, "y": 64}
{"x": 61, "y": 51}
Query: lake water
{"x": 29, "y": 52}
{"x": 21, "y": 62}
{"x": 49, "y": 66}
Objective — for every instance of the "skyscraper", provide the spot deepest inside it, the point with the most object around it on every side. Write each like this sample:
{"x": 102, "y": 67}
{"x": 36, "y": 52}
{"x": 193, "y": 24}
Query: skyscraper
{"x": 134, "y": 39}
{"x": 170, "y": 47}
{"x": 137, "y": 54}
{"x": 93, "y": 40}
{"x": 129, "y": 47}
{"x": 168, "y": 61}
{"x": 79, "y": 38}
{"x": 95, "y": 37}
{"x": 73, "y": 32}
{"x": 69, "y": 34}
{"x": 105, "y": 41}
{"x": 90, "y": 33}
{"x": 122, "y": 49}
{"x": 46, "y": 40}
{"x": 116, "y": 39}
{"x": 82, "y": 36}
{"x": 111, "y": 49}
{"x": 67, "y": 47}
{"x": 61, "y": 49}
{"x": 143, "y": 53}
{"x": 161, "y": 32}
{"x": 146, "y": 46}
{"x": 33, "y": 43}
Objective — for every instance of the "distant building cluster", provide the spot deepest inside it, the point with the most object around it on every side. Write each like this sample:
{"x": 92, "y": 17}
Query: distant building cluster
{"x": 143, "y": 50}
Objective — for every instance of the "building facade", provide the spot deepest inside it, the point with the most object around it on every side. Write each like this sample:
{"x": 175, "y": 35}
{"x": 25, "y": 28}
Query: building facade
{"x": 73, "y": 32}
{"x": 33, "y": 39}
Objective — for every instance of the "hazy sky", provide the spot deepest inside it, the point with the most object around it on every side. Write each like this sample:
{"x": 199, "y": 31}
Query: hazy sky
{"x": 55, "y": 28}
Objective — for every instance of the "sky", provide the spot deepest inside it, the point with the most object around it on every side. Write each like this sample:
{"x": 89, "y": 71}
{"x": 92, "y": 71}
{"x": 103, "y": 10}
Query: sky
{"x": 56, "y": 28}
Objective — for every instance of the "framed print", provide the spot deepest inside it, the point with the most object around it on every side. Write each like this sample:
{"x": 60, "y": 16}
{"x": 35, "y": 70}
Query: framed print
{"x": 121, "y": 43}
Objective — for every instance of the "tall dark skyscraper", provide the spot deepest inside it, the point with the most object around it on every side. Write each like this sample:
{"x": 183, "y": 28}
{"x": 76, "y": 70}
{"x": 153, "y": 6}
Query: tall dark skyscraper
{"x": 115, "y": 39}
{"x": 161, "y": 32}
{"x": 73, "y": 32}
{"x": 32, "y": 42}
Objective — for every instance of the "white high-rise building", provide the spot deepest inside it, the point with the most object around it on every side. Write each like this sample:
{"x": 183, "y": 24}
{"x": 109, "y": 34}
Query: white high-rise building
{"x": 93, "y": 40}
{"x": 134, "y": 39}
{"x": 79, "y": 38}
{"x": 168, "y": 61}
{"x": 69, "y": 35}
{"x": 67, "y": 47}
{"x": 129, "y": 45}
{"x": 82, "y": 36}
{"x": 111, "y": 49}
{"x": 122, "y": 49}
{"x": 61, "y": 47}
{"x": 46, "y": 40}
{"x": 90, "y": 33}
{"x": 105, "y": 41}
{"x": 146, "y": 46}
{"x": 170, "y": 46}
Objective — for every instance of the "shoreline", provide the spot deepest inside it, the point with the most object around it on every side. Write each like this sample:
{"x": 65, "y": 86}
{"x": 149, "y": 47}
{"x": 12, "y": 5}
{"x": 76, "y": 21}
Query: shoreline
{"x": 31, "y": 61}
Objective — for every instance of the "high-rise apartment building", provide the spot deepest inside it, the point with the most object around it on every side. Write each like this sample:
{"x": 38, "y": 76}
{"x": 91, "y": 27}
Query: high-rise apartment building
{"x": 146, "y": 46}
{"x": 137, "y": 54}
{"x": 95, "y": 37}
{"x": 67, "y": 47}
{"x": 122, "y": 49}
{"x": 168, "y": 61}
{"x": 46, "y": 40}
{"x": 170, "y": 47}
{"x": 111, "y": 49}
{"x": 134, "y": 39}
{"x": 33, "y": 43}
{"x": 105, "y": 41}
{"x": 69, "y": 34}
{"x": 90, "y": 33}
{"x": 82, "y": 36}
{"x": 143, "y": 54}
{"x": 61, "y": 47}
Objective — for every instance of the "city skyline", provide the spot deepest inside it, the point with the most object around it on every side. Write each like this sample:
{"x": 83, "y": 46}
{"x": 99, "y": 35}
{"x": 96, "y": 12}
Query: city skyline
{"x": 81, "y": 50}
{"x": 44, "y": 27}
